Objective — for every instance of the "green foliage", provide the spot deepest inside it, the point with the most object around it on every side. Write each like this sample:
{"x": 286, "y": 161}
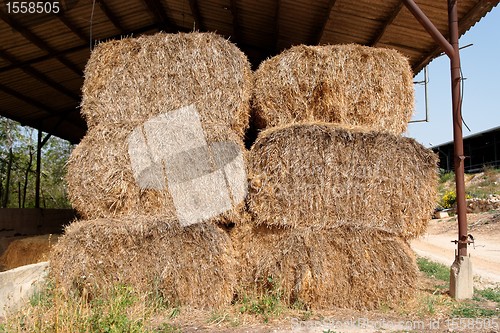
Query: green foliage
{"x": 469, "y": 309}
{"x": 433, "y": 269}
{"x": 445, "y": 176}
{"x": 491, "y": 294}
{"x": 267, "y": 305}
{"x": 111, "y": 315}
{"x": 18, "y": 168}
{"x": 448, "y": 199}
{"x": 120, "y": 309}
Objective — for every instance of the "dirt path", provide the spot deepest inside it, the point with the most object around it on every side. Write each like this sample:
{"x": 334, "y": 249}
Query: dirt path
{"x": 437, "y": 246}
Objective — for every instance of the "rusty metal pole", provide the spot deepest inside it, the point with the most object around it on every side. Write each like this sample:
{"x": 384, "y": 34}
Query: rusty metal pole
{"x": 461, "y": 277}
{"x": 458, "y": 143}
{"x": 451, "y": 48}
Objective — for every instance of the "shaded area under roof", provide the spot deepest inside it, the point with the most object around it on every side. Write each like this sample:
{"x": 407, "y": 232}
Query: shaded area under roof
{"x": 42, "y": 56}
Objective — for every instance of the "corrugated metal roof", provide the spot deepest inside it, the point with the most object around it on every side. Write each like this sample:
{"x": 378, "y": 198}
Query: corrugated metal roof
{"x": 42, "y": 56}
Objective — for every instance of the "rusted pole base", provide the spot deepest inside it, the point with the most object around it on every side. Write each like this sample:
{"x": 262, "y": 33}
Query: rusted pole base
{"x": 461, "y": 279}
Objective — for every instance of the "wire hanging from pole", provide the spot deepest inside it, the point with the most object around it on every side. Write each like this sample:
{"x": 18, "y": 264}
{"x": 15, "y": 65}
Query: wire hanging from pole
{"x": 91, "y": 23}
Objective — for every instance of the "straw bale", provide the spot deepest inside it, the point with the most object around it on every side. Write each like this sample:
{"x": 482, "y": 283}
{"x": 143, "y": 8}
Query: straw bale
{"x": 103, "y": 180}
{"x": 344, "y": 84}
{"x": 322, "y": 175}
{"x": 135, "y": 79}
{"x": 342, "y": 267}
{"x": 187, "y": 266}
{"x": 27, "y": 250}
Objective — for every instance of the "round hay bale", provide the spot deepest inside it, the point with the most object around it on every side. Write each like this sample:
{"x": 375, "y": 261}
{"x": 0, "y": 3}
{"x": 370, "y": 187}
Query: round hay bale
{"x": 342, "y": 267}
{"x": 28, "y": 250}
{"x": 187, "y": 266}
{"x": 103, "y": 182}
{"x": 134, "y": 79}
{"x": 323, "y": 176}
{"x": 344, "y": 84}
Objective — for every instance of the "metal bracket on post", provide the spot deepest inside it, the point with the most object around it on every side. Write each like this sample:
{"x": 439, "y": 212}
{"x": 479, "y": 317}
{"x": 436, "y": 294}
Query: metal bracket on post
{"x": 451, "y": 48}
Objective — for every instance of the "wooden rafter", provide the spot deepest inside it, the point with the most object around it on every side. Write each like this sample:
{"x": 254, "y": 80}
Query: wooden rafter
{"x": 236, "y": 23}
{"x": 26, "y": 99}
{"x": 387, "y": 22}
{"x": 111, "y": 16}
{"x": 276, "y": 30}
{"x": 40, "y": 43}
{"x": 195, "y": 11}
{"x": 316, "y": 39}
{"x": 67, "y": 51}
{"x": 160, "y": 16}
{"x": 40, "y": 76}
{"x": 471, "y": 16}
{"x": 67, "y": 22}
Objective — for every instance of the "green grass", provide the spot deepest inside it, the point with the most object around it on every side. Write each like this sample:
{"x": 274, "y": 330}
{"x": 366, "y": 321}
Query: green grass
{"x": 433, "y": 269}
{"x": 489, "y": 294}
{"x": 446, "y": 176}
{"x": 120, "y": 309}
{"x": 469, "y": 309}
{"x": 267, "y": 305}
{"x": 464, "y": 309}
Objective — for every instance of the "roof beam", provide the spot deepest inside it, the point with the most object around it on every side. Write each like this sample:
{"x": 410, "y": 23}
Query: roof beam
{"x": 40, "y": 76}
{"x": 68, "y": 51}
{"x": 387, "y": 22}
{"x": 316, "y": 38}
{"x": 466, "y": 21}
{"x": 236, "y": 23}
{"x": 36, "y": 103}
{"x": 195, "y": 11}
{"x": 67, "y": 22}
{"x": 431, "y": 29}
{"x": 40, "y": 43}
{"x": 276, "y": 30}
{"x": 160, "y": 16}
{"x": 41, "y": 124}
{"x": 111, "y": 16}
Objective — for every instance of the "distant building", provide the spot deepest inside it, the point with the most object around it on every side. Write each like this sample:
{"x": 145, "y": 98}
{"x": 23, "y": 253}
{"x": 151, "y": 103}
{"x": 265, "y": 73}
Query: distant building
{"x": 480, "y": 149}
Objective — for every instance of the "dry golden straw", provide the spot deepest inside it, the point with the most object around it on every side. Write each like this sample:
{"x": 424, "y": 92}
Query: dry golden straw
{"x": 101, "y": 182}
{"x": 135, "y": 83}
{"x": 341, "y": 267}
{"x": 134, "y": 79}
{"x": 322, "y": 176}
{"x": 344, "y": 84}
{"x": 187, "y": 266}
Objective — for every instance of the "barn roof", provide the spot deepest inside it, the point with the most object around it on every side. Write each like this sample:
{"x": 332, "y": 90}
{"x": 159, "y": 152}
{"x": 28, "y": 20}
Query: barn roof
{"x": 42, "y": 55}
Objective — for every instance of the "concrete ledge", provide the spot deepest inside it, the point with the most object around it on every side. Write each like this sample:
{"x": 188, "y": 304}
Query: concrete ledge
{"x": 19, "y": 284}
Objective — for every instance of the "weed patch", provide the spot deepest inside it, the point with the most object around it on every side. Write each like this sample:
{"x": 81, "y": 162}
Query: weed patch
{"x": 433, "y": 269}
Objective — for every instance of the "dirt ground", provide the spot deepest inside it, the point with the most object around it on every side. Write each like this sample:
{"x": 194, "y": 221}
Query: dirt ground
{"x": 485, "y": 252}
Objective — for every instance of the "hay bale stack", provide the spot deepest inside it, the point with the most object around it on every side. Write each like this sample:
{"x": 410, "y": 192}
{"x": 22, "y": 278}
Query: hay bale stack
{"x": 341, "y": 267}
{"x": 344, "y": 84}
{"x": 322, "y": 176}
{"x": 187, "y": 266}
{"x": 135, "y": 79}
{"x": 167, "y": 115}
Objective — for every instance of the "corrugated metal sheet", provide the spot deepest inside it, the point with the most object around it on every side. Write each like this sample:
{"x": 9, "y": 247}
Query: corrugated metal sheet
{"x": 42, "y": 56}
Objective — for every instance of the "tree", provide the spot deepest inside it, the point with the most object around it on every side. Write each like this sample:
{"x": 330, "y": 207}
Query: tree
{"x": 17, "y": 171}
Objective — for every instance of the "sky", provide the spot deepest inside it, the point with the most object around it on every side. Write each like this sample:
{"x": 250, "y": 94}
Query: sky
{"x": 481, "y": 91}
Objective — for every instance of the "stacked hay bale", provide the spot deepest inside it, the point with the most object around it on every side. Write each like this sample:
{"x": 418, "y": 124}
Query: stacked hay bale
{"x": 335, "y": 191}
{"x": 130, "y": 85}
{"x": 163, "y": 162}
{"x": 154, "y": 255}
